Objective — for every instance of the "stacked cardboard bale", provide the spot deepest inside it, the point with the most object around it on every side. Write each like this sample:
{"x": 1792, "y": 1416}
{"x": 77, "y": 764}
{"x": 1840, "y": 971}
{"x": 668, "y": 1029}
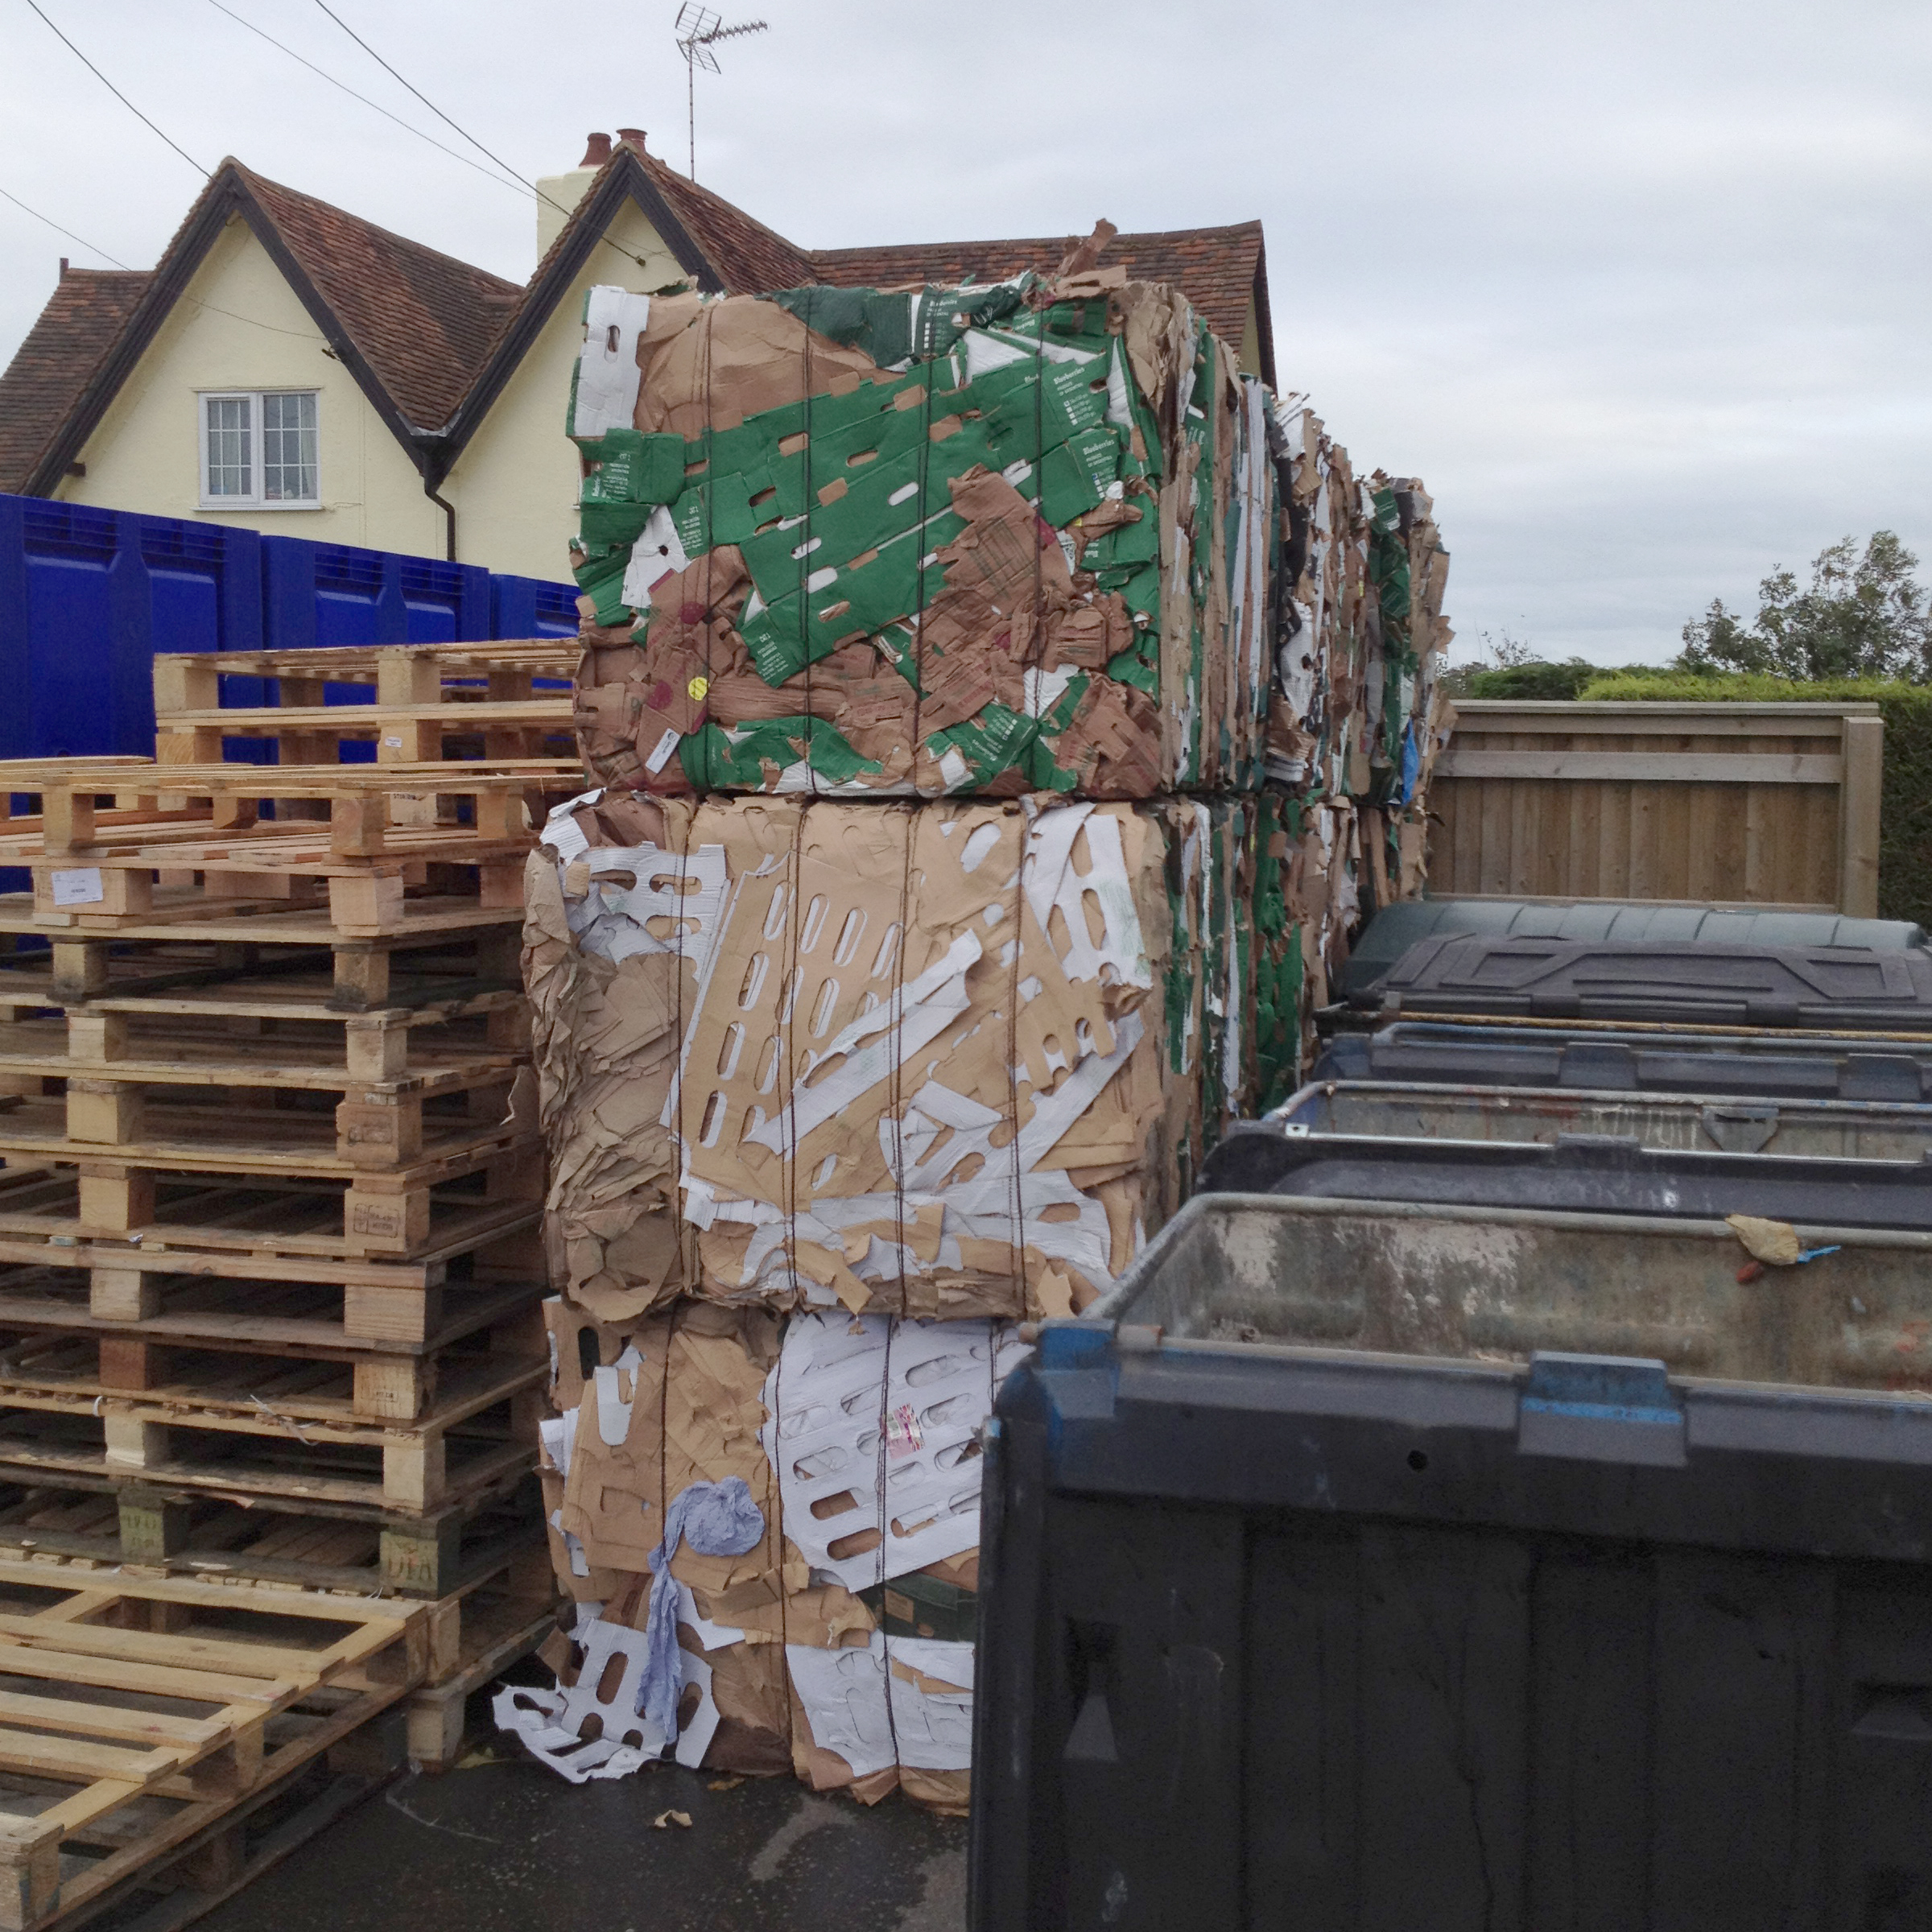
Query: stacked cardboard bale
{"x": 931, "y": 919}
{"x": 1358, "y": 715}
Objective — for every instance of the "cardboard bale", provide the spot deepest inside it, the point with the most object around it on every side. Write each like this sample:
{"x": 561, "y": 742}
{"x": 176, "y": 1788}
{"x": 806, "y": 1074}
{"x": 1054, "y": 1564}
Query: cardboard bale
{"x": 646, "y": 1412}
{"x": 859, "y": 1441}
{"x": 1357, "y": 719}
{"x": 948, "y": 1060}
{"x": 945, "y": 541}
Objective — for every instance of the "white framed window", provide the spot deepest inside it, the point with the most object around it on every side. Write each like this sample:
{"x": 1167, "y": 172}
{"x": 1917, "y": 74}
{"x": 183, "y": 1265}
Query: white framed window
{"x": 259, "y": 449}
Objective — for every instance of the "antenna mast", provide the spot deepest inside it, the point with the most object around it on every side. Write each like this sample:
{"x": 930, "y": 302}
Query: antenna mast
{"x": 699, "y": 31}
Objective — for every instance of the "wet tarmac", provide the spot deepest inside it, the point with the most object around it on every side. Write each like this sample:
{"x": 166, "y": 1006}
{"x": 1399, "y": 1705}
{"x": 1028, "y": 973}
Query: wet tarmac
{"x": 506, "y": 1845}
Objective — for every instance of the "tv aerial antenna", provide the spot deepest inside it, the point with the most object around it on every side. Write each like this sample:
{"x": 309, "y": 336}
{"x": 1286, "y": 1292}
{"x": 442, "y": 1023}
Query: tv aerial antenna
{"x": 699, "y": 31}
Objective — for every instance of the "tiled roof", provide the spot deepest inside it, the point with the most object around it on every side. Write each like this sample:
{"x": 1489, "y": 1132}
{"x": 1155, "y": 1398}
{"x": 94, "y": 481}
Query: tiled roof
{"x": 1214, "y": 268}
{"x": 431, "y": 335}
{"x": 749, "y": 256}
{"x": 424, "y": 321}
{"x": 63, "y": 349}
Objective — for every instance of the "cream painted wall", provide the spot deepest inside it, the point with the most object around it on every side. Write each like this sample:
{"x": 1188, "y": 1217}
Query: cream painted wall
{"x": 515, "y": 485}
{"x": 239, "y": 325}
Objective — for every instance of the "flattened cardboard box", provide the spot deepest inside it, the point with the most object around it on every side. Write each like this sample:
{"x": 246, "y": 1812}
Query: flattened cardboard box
{"x": 945, "y": 1060}
{"x": 950, "y": 541}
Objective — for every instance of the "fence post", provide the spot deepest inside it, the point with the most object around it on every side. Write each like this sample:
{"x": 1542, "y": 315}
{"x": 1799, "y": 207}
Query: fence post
{"x": 1858, "y": 817}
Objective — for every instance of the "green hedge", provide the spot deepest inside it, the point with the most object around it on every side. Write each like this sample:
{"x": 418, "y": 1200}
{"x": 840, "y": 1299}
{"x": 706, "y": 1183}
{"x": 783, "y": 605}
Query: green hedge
{"x": 1904, "y": 832}
{"x": 1537, "y": 681}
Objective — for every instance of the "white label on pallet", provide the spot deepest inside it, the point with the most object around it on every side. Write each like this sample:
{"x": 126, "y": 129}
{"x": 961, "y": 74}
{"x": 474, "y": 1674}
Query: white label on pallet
{"x": 78, "y": 886}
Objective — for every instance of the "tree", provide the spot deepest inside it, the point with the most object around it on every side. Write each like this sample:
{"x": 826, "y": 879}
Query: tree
{"x": 1863, "y": 617}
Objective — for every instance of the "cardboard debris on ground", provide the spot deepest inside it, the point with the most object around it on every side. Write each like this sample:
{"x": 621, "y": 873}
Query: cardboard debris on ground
{"x": 860, "y": 1441}
{"x": 999, "y": 538}
{"x": 948, "y": 1060}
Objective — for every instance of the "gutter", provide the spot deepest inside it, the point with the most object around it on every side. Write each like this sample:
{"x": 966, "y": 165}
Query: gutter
{"x": 426, "y": 442}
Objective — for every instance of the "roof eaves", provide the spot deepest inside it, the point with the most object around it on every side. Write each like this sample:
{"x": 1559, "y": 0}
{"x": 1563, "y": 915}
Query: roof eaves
{"x": 226, "y": 194}
{"x": 623, "y": 178}
{"x": 1264, "y": 323}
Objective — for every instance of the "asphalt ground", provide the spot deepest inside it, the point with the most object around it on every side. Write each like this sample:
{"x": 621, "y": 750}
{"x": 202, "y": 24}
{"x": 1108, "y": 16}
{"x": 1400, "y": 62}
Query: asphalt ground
{"x": 504, "y": 1843}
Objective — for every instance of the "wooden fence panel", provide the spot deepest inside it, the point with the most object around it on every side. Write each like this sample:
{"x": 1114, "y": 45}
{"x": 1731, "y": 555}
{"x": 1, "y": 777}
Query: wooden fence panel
{"x": 1737, "y": 804}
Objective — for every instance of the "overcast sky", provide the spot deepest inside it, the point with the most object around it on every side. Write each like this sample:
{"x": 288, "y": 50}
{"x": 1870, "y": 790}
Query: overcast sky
{"x": 1642, "y": 291}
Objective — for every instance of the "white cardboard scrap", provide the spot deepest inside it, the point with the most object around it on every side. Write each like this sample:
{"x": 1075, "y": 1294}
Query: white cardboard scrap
{"x": 551, "y": 1722}
{"x": 845, "y": 1693}
{"x": 608, "y": 374}
{"x": 838, "y": 1379}
{"x": 914, "y": 1016}
{"x": 657, "y": 552}
{"x": 677, "y": 889}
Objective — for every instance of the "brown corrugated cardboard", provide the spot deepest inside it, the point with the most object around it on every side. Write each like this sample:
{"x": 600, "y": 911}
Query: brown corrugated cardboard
{"x": 923, "y": 1059}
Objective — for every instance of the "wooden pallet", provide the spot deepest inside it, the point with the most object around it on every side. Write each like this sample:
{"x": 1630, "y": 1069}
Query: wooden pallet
{"x": 26, "y": 777}
{"x": 440, "y": 950}
{"x": 171, "y": 1293}
{"x": 221, "y": 1349}
{"x": 105, "y": 1062}
{"x": 441, "y": 829}
{"x": 447, "y": 729}
{"x": 85, "y": 1522}
{"x": 412, "y": 704}
{"x": 399, "y": 1144}
{"x": 270, "y": 1324}
{"x": 374, "y": 1210}
{"x": 280, "y": 1225}
{"x": 138, "y": 1709}
{"x": 259, "y": 1035}
{"x": 477, "y": 1439}
{"x": 476, "y": 1638}
{"x": 244, "y": 1840}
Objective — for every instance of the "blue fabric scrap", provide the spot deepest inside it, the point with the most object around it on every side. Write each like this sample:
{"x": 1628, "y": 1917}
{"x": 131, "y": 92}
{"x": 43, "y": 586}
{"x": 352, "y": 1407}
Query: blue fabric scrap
{"x": 717, "y": 1519}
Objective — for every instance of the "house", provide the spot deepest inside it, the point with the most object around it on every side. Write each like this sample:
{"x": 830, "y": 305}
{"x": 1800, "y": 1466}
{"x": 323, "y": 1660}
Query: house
{"x": 291, "y": 368}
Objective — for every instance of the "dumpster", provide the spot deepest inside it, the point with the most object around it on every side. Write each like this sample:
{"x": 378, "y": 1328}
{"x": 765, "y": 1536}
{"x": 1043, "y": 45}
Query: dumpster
{"x": 1366, "y": 1566}
{"x": 1774, "y": 1066}
{"x": 1848, "y": 1129}
{"x": 1879, "y": 988}
{"x": 1593, "y": 1174}
{"x": 1396, "y": 928}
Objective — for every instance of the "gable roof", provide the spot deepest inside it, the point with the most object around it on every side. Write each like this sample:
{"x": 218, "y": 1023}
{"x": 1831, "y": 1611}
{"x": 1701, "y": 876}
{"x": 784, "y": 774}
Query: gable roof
{"x": 410, "y": 324}
{"x": 432, "y": 340}
{"x": 1219, "y": 269}
{"x": 424, "y": 320}
{"x": 87, "y": 311}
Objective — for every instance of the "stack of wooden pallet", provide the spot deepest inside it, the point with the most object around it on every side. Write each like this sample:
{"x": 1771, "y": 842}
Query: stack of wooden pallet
{"x": 270, "y": 1273}
{"x": 413, "y": 702}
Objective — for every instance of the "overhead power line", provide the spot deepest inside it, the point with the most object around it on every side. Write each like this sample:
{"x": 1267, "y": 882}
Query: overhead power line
{"x": 407, "y": 127}
{"x": 117, "y": 94}
{"x": 422, "y": 96}
{"x": 58, "y": 229}
{"x": 530, "y": 187}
